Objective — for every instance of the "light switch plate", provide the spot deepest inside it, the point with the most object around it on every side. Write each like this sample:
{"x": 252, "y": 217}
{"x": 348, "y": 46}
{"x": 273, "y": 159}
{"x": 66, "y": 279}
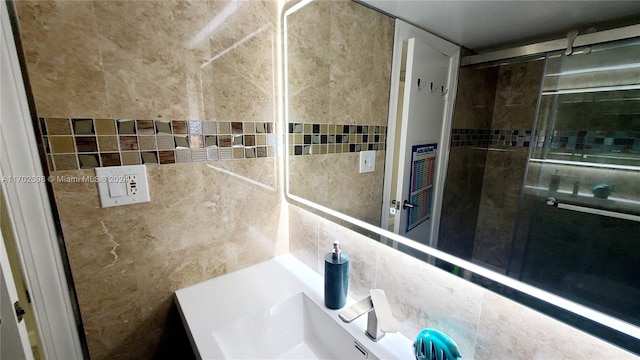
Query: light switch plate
{"x": 367, "y": 161}
{"x": 122, "y": 185}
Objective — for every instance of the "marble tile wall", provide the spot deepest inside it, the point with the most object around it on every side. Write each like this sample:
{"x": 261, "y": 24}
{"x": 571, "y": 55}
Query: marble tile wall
{"x": 339, "y": 64}
{"x": 461, "y": 201}
{"x": 483, "y": 324}
{"x": 334, "y": 181}
{"x": 339, "y": 70}
{"x": 516, "y": 97}
{"x": 126, "y": 262}
{"x": 157, "y": 60}
{"x": 498, "y": 212}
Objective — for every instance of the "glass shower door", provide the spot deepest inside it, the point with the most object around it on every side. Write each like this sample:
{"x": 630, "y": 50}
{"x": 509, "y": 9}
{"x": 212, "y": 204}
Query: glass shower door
{"x": 578, "y": 232}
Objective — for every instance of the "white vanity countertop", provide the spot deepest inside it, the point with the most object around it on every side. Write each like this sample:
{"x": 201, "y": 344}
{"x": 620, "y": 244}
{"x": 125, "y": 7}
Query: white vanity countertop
{"x": 212, "y": 303}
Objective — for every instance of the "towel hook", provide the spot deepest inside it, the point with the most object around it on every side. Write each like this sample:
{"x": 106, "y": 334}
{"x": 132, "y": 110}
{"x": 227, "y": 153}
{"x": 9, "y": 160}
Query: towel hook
{"x": 422, "y": 84}
{"x": 571, "y": 37}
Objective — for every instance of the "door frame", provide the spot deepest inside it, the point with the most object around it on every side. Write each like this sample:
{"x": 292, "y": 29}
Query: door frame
{"x": 30, "y": 209}
{"x": 12, "y": 330}
{"x": 404, "y": 31}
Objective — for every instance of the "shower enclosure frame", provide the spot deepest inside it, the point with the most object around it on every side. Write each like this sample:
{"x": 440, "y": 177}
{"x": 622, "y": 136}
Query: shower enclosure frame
{"x": 622, "y": 334}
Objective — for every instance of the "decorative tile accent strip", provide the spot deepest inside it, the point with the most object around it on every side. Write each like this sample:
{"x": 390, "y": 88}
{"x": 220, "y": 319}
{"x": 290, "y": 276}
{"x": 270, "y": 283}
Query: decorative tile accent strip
{"x": 592, "y": 141}
{"x": 84, "y": 143}
{"x": 490, "y": 137}
{"x": 569, "y": 140}
{"x": 313, "y": 139}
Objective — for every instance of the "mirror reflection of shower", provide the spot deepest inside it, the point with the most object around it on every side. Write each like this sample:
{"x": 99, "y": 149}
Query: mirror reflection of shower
{"x": 544, "y": 174}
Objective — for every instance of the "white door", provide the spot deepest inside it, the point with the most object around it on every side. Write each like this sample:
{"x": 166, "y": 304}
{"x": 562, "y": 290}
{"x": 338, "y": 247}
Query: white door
{"x": 14, "y": 339}
{"x": 419, "y": 114}
{"x": 425, "y": 90}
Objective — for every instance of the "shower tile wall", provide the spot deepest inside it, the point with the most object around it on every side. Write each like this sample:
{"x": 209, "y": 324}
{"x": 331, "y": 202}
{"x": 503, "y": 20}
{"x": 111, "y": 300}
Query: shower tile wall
{"x": 329, "y": 85}
{"x": 491, "y": 137}
{"x": 461, "y": 201}
{"x": 92, "y": 62}
{"x": 515, "y": 105}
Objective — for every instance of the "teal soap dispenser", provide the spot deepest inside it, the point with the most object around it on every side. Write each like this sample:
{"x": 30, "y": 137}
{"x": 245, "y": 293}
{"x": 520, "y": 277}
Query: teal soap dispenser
{"x": 336, "y": 277}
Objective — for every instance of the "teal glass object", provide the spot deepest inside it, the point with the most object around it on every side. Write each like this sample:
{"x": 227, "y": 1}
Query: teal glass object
{"x": 432, "y": 344}
{"x": 602, "y": 191}
{"x": 336, "y": 278}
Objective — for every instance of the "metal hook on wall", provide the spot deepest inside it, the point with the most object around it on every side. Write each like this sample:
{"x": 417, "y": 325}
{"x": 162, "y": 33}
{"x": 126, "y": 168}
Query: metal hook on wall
{"x": 443, "y": 91}
{"x": 571, "y": 37}
{"x": 423, "y": 84}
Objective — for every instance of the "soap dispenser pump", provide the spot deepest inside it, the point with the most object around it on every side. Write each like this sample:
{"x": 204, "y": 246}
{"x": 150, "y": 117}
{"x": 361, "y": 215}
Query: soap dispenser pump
{"x": 336, "y": 277}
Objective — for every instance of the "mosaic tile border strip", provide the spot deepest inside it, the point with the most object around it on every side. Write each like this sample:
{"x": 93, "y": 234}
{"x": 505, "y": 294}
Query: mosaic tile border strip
{"x": 490, "y": 137}
{"x": 86, "y": 143}
{"x": 592, "y": 141}
{"x": 315, "y": 139}
{"x": 572, "y": 140}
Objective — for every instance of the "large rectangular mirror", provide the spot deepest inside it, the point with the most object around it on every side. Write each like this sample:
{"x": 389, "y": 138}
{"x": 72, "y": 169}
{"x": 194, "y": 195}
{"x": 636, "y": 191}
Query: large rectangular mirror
{"x": 337, "y": 103}
{"x": 527, "y": 166}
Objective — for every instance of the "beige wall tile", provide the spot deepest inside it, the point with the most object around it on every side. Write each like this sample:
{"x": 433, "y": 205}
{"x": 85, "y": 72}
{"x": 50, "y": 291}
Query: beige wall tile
{"x": 65, "y": 162}
{"x": 510, "y": 330}
{"x": 130, "y": 157}
{"x": 58, "y": 126}
{"x": 74, "y": 84}
{"x": 517, "y": 95}
{"x": 108, "y": 143}
{"x": 147, "y": 143}
{"x": 246, "y": 18}
{"x": 358, "y": 195}
{"x": 62, "y": 49}
{"x": 330, "y": 80}
{"x": 498, "y": 207}
{"x": 128, "y": 261}
{"x": 243, "y": 91}
{"x": 303, "y": 237}
{"x": 475, "y": 98}
{"x": 105, "y": 126}
{"x": 423, "y": 296}
{"x": 148, "y": 56}
{"x": 62, "y": 144}
{"x": 308, "y": 36}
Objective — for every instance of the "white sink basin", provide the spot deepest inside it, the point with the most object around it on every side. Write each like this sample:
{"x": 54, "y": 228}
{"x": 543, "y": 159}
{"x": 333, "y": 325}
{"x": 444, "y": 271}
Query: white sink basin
{"x": 296, "y": 328}
{"x": 275, "y": 310}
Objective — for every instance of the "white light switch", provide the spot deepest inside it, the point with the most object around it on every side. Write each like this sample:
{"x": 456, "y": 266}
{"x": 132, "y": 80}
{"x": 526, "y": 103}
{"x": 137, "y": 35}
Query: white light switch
{"x": 367, "y": 161}
{"x": 115, "y": 189}
{"x": 122, "y": 185}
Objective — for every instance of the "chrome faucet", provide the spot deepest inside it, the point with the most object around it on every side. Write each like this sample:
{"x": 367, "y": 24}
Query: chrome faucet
{"x": 380, "y": 319}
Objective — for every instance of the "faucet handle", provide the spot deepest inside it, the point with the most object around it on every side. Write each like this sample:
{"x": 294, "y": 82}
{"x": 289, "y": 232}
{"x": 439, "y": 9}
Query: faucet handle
{"x": 355, "y": 311}
{"x": 386, "y": 321}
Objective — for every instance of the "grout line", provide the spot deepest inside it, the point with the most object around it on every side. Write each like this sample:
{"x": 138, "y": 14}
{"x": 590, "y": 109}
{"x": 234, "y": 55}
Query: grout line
{"x": 477, "y": 330}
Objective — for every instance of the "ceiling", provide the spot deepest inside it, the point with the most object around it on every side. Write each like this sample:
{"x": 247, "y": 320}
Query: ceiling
{"x": 482, "y": 25}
